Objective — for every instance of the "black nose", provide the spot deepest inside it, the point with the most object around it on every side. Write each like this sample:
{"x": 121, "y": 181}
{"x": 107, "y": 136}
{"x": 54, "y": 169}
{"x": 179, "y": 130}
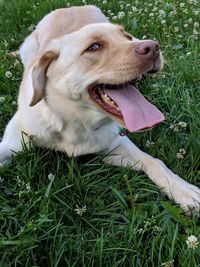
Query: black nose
{"x": 148, "y": 49}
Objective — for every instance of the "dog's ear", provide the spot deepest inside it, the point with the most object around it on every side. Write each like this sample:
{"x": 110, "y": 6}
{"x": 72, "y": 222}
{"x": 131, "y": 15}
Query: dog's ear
{"x": 39, "y": 77}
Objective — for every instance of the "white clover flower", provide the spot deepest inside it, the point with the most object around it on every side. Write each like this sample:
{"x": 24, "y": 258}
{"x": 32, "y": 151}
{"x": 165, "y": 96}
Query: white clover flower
{"x": 14, "y": 103}
{"x": 163, "y": 21}
{"x": 51, "y": 177}
{"x": 185, "y": 25}
{"x": 190, "y": 20}
{"x": 182, "y": 4}
{"x": 2, "y": 99}
{"x": 174, "y": 127}
{"x": 196, "y": 24}
{"x": 162, "y": 13}
{"x": 192, "y": 2}
{"x": 8, "y": 74}
{"x": 121, "y": 15}
{"x": 134, "y": 9}
{"x": 168, "y": 263}
{"x": 16, "y": 63}
{"x": 104, "y": 1}
{"x": 149, "y": 144}
{"x": 182, "y": 124}
{"x": 195, "y": 32}
{"x": 114, "y": 17}
{"x": 154, "y": 85}
{"x": 196, "y": 12}
{"x": 179, "y": 155}
{"x": 176, "y": 29}
{"x": 182, "y": 151}
{"x": 80, "y": 211}
{"x": 188, "y": 53}
{"x": 31, "y": 27}
{"x": 192, "y": 242}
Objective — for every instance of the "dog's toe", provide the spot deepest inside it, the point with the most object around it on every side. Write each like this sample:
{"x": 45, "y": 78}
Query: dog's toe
{"x": 190, "y": 200}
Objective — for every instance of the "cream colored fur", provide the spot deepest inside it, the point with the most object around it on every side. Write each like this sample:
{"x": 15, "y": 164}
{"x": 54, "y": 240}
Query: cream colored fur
{"x": 54, "y": 107}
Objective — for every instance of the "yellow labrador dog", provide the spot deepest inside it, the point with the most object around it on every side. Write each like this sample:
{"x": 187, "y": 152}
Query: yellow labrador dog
{"x": 78, "y": 89}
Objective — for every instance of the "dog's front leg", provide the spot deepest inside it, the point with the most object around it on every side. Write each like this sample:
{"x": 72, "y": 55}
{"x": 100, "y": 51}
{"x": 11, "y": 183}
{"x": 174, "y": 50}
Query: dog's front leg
{"x": 11, "y": 141}
{"x": 122, "y": 152}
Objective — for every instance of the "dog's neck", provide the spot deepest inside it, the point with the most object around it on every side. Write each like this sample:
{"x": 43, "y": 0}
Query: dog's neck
{"x": 69, "y": 130}
{"x": 75, "y": 135}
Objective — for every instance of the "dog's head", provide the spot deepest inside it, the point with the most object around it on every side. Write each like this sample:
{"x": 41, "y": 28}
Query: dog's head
{"x": 100, "y": 64}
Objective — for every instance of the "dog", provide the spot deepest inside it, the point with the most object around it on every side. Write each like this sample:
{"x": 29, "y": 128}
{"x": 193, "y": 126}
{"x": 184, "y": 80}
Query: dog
{"x": 79, "y": 88}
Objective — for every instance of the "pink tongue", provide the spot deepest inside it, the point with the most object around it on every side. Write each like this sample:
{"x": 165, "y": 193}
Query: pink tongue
{"x": 138, "y": 113}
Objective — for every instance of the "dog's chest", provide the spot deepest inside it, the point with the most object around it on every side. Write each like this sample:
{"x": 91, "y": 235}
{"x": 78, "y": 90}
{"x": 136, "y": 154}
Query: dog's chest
{"x": 76, "y": 139}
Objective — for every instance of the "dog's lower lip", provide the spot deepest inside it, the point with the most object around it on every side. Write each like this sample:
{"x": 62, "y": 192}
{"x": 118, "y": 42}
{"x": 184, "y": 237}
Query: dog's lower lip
{"x": 104, "y": 101}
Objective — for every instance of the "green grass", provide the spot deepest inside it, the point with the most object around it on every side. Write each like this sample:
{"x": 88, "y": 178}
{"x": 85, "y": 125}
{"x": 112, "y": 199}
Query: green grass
{"x": 127, "y": 220}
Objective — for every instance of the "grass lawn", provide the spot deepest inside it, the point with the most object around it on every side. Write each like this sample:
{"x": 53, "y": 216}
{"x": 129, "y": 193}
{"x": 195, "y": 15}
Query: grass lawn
{"x": 60, "y": 211}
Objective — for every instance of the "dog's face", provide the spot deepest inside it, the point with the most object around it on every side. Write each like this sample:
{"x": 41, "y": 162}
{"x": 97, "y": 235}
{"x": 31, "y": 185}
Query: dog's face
{"x": 99, "y": 64}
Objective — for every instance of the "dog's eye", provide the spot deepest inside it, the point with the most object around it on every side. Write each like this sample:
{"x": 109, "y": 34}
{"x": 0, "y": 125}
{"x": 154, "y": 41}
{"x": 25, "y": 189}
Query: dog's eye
{"x": 94, "y": 47}
{"x": 129, "y": 37}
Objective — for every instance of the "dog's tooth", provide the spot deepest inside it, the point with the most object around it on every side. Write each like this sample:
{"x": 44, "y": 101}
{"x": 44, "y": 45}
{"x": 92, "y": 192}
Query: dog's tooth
{"x": 108, "y": 100}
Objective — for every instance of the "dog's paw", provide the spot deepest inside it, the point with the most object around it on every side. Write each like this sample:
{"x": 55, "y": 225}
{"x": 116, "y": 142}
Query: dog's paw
{"x": 3, "y": 159}
{"x": 5, "y": 153}
{"x": 187, "y": 196}
{"x": 1, "y": 162}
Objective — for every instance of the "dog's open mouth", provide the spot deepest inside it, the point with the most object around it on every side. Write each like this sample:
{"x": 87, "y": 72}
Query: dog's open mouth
{"x": 127, "y": 104}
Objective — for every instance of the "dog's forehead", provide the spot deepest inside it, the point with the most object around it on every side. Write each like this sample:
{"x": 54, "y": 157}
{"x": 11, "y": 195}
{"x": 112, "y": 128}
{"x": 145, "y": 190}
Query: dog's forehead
{"x": 95, "y": 31}
{"x": 102, "y": 27}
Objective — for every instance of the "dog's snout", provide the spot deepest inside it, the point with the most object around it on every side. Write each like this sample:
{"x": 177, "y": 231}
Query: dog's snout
{"x": 148, "y": 49}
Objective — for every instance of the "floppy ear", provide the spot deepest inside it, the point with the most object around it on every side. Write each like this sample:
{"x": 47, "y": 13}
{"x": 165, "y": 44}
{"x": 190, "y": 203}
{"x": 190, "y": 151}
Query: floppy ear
{"x": 39, "y": 75}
